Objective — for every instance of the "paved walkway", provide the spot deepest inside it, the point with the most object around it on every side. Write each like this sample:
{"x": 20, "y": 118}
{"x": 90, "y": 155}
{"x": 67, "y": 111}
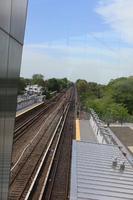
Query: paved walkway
{"x": 86, "y": 132}
{"x": 130, "y": 125}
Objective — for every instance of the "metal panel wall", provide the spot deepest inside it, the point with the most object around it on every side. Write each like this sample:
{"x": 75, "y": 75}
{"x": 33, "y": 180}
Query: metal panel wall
{"x": 12, "y": 27}
{"x": 94, "y": 177}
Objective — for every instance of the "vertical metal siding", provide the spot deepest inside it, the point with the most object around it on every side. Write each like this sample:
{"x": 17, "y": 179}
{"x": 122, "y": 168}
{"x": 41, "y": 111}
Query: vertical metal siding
{"x": 11, "y": 43}
{"x": 92, "y": 174}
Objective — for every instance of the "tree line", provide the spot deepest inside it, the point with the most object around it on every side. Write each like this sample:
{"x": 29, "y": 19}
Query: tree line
{"x": 48, "y": 86}
{"x": 113, "y": 102}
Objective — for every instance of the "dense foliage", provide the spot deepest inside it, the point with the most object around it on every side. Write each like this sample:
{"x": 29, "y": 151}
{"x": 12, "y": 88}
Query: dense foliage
{"x": 38, "y": 79}
{"x": 54, "y": 84}
{"x": 48, "y": 86}
{"x": 21, "y": 85}
{"x": 113, "y": 102}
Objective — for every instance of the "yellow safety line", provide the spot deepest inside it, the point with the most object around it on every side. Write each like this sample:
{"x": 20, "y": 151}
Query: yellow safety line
{"x": 28, "y": 110}
{"x": 77, "y": 130}
{"x": 130, "y": 148}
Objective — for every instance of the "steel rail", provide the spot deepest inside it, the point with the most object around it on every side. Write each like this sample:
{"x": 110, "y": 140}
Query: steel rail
{"x": 25, "y": 185}
{"x": 20, "y": 130}
{"x": 45, "y": 154}
{"x": 52, "y": 182}
{"x": 29, "y": 144}
{"x": 35, "y": 110}
{"x": 50, "y": 166}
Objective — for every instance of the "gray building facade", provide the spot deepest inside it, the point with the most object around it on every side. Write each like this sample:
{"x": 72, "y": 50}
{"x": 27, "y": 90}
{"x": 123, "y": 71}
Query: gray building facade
{"x": 12, "y": 27}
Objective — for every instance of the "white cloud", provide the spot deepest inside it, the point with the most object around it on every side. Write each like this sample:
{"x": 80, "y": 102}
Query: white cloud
{"x": 93, "y": 67}
{"x": 64, "y": 49}
{"x": 119, "y": 15}
{"x": 98, "y": 56}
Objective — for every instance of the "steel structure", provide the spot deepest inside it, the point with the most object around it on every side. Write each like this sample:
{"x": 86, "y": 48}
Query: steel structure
{"x": 94, "y": 175}
{"x": 12, "y": 27}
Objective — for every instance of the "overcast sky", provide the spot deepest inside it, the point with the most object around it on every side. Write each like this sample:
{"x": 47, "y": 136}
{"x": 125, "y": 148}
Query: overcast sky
{"x": 86, "y": 39}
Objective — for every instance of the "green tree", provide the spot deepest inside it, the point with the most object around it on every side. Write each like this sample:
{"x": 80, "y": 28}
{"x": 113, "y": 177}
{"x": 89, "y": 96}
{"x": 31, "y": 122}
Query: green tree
{"x": 53, "y": 84}
{"x": 81, "y": 86}
{"x": 123, "y": 93}
{"x": 89, "y": 90}
{"x": 38, "y": 79}
{"x": 116, "y": 112}
{"x": 63, "y": 83}
{"x": 21, "y": 85}
{"x": 28, "y": 81}
{"x": 113, "y": 102}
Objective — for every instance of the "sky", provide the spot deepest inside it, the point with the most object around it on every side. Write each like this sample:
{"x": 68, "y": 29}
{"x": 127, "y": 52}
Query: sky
{"x": 86, "y": 39}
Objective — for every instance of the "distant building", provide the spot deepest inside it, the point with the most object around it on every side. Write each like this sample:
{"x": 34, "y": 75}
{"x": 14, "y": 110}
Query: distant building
{"x": 34, "y": 89}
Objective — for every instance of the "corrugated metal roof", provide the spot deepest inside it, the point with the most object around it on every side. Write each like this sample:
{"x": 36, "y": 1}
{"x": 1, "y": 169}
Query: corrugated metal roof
{"x": 92, "y": 174}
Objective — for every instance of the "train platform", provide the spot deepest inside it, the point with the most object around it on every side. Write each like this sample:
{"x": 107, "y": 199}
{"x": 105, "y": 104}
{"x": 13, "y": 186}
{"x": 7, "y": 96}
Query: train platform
{"x": 94, "y": 176}
{"x": 101, "y": 167}
{"x": 84, "y": 131}
{"x": 26, "y": 109}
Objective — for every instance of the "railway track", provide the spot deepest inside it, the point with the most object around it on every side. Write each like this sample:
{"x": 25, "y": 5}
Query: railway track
{"x": 22, "y": 118}
{"x": 21, "y": 179}
{"x": 29, "y": 134}
{"x": 39, "y": 183}
{"x": 20, "y": 130}
{"x": 54, "y": 176}
{"x": 58, "y": 184}
{"x": 25, "y": 121}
